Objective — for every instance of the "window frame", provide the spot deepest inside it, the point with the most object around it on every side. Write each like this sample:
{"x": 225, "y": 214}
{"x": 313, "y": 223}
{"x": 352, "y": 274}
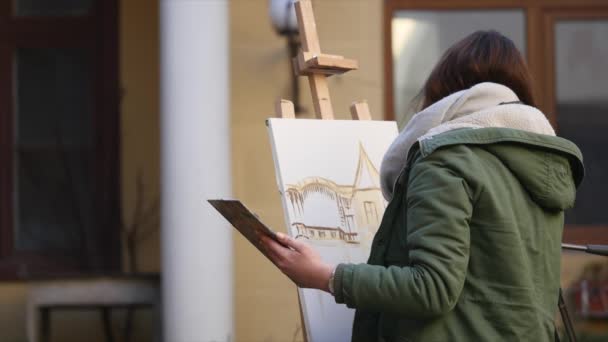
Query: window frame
{"x": 579, "y": 234}
{"x": 540, "y": 16}
{"x": 97, "y": 32}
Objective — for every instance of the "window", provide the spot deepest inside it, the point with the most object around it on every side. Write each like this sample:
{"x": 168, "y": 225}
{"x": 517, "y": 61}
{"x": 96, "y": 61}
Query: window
{"x": 350, "y": 223}
{"x": 578, "y": 97}
{"x": 371, "y": 213}
{"x": 59, "y": 192}
{"x": 52, "y": 8}
{"x": 582, "y": 107}
{"x": 421, "y": 36}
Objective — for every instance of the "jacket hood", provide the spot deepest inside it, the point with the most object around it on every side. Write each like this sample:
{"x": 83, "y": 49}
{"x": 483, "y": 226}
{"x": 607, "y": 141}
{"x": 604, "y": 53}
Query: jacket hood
{"x": 481, "y": 106}
{"x": 549, "y": 168}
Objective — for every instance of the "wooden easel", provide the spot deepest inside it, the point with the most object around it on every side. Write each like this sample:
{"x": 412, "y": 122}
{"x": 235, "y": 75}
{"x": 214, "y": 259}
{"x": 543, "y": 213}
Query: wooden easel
{"x": 317, "y": 66}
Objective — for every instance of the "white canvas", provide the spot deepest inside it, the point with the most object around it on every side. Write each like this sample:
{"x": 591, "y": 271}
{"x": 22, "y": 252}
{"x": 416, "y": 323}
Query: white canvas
{"x": 328, "y": 177}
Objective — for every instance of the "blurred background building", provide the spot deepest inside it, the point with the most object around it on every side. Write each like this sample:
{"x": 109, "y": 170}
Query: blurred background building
{"x": 98, "y": 96}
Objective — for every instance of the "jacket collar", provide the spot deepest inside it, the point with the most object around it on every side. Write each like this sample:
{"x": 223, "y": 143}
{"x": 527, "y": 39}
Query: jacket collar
{"x": 477, "y": 107}
{"x": 494, "y": 135}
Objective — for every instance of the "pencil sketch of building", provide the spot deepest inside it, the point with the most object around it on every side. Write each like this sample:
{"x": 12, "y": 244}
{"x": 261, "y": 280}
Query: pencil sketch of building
{"x": 350, "y": 212}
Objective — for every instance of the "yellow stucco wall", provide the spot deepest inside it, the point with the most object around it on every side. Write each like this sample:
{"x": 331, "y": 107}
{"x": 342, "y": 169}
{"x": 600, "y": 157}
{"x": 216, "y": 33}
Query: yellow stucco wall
{"x": 139, "y": 70}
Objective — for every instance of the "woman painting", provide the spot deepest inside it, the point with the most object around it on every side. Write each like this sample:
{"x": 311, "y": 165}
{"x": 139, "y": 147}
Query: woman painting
{"x": 477, "y": 184}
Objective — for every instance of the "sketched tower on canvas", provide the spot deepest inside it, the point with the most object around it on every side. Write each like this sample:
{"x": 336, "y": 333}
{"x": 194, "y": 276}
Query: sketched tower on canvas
{"x": 357, "y": 204}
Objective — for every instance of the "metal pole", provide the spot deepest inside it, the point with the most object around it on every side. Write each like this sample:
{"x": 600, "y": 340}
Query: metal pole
{"x": 573, "y": 247}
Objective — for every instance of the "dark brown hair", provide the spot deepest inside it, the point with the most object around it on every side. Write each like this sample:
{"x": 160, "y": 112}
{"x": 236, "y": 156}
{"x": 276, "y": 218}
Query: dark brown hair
{"x": 483, "y": 56}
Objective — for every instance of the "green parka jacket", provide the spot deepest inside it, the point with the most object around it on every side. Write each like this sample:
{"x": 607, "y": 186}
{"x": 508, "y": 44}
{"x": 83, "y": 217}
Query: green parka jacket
{"x": 469, "y": 246}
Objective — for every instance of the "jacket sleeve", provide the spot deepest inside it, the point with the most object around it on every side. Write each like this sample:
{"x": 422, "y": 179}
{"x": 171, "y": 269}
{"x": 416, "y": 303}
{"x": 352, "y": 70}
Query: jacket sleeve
{"x": 439, "y": 209}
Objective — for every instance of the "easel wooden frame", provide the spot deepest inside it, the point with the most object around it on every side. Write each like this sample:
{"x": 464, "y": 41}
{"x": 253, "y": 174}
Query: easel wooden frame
{"x": 317, "y": 66}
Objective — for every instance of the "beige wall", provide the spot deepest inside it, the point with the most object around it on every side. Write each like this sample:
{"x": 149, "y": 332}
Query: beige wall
{"x": 139, "y": 70}
{"x": 266, "y": 302}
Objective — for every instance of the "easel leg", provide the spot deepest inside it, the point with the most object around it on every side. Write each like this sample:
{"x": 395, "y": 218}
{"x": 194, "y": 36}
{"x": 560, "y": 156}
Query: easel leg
{"x": 45, "y": 325}
{"x": 128, "y": 329}
{"x": 563, "y": 310}
{"x": 359, "y": 110}
{"x": 320, "y": 96}
{"x": 304, "y": 335}
{"x": 107, "y": 323}
{"x": 285, "y": 109}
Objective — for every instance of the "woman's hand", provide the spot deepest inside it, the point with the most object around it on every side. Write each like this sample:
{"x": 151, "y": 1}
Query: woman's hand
{"x": 299, "y": 262}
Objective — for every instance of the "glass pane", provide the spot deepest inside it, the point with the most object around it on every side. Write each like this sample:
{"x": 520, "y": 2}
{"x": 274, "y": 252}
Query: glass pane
{"x": 52, "y": 7}
{"x": 582, "y": 109}
{"x": 53, "y": 146}
{"x": 421, "y": 37}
